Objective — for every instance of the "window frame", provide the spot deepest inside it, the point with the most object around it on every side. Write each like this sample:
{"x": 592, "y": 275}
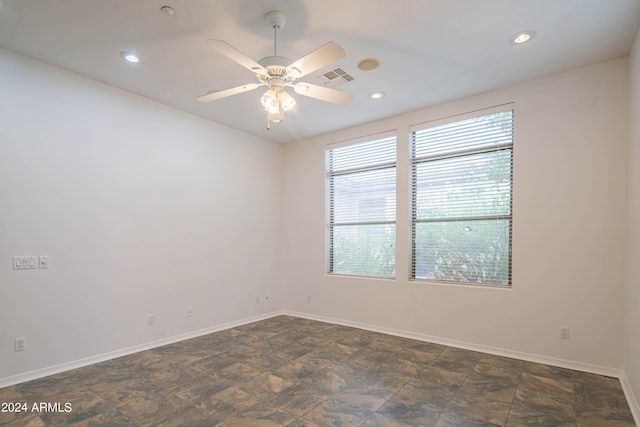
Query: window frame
{"x": 330, "y": 223}
{"x": 415, "y": 161}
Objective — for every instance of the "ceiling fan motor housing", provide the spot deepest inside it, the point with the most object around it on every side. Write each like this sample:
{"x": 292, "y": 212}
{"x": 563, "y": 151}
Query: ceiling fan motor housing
{"x": 276, "y": 66}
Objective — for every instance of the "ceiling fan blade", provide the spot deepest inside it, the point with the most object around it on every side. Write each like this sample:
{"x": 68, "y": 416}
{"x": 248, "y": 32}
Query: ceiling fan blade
{"x": 322, "y": 93}
{"x": 324, "y": 55}
{"x": 237, "y": 56}
{"x": 227, "y": 92}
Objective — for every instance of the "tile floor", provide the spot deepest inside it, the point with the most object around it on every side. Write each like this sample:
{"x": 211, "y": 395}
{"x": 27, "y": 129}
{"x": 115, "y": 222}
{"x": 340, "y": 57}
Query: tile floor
{"x": 297, "y": 372}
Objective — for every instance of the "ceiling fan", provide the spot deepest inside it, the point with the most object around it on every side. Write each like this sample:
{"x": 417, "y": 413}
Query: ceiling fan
{"x": 278, "y": 72}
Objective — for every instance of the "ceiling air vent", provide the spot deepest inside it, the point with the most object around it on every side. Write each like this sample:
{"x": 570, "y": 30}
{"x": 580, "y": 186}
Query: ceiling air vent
{"x": 335, "y": 77}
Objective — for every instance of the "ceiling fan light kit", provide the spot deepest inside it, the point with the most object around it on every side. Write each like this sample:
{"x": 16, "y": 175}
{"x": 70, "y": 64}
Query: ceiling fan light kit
{"x": 277, "y": 72}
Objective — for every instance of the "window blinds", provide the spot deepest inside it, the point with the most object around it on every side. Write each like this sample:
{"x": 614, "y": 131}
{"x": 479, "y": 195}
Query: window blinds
{"x": 361, "y": 208}
{"x": 461, "y": 198}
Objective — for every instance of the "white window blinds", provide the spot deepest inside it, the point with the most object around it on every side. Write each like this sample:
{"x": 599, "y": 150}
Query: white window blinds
{"x": 461, "y": 197}
{"x": 361, "y": 208}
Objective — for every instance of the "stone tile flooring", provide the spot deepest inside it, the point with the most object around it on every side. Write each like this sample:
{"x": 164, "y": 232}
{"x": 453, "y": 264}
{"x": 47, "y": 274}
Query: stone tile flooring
{"x": 297, "y": 372}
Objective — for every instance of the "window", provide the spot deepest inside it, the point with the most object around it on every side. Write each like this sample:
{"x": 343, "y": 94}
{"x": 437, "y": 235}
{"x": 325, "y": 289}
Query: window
{"x": 461, "y": 199}
{"x": 361, "y": 207}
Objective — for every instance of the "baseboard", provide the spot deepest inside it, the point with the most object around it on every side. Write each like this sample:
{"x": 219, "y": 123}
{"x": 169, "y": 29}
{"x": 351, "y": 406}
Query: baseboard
{"x": 536, "y": 358}
{"x": 631, "y": 398}
{"x": 79, "y": 363}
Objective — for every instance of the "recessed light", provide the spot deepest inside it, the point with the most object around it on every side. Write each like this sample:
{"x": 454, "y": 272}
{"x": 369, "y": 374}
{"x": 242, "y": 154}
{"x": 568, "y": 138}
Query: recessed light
{"x": 368, "y": 64}
{"x": 168, "y": 10}
{"x": 130, "y": 57}
{"x": 522, "y": 37}
{"x": 376, "y": 95}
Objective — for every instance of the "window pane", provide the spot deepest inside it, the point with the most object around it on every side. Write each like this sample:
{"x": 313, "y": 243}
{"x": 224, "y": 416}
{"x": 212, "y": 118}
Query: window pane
{"x": 365, "y": 250}
{"x": 464, "y": 186}
{"x": 365, "y": 196}
{"x": 463, "y": 251}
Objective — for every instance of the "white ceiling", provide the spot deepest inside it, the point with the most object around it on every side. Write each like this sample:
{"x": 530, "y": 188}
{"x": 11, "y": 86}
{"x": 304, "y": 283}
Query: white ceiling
{"x": 430, "y": 51}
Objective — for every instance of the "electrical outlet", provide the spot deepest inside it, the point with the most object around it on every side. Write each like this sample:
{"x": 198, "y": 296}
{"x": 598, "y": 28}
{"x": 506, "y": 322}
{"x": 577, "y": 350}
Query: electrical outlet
{"x": 309, "y": 299}
{"x": 44, "y": 261}
{"x": 564, "y": 333}
{"x": 257, "y": 300}
{"x": 151, "y": 319}
{"x": 189, "y": 312}
{"x": 19, "y": 344}
{"x": 266, "y": 299}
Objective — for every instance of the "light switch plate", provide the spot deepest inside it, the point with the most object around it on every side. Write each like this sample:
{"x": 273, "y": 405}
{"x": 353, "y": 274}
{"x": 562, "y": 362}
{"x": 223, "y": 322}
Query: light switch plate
{"x": 17, "y": 262}
{"x": 24, "y": 262}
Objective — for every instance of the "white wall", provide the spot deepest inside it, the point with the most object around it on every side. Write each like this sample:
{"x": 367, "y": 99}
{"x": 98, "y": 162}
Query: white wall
{"x": 141, "y": 209}
{"x": 632, "y": 309}
{"x": 570, "y": 192}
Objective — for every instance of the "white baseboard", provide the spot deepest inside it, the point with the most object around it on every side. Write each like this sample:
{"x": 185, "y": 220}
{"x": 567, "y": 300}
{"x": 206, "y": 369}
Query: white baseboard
{"x": 631, "y": 398}
{"x": 529, "y": 357}
{"x": 51, "y": 370}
